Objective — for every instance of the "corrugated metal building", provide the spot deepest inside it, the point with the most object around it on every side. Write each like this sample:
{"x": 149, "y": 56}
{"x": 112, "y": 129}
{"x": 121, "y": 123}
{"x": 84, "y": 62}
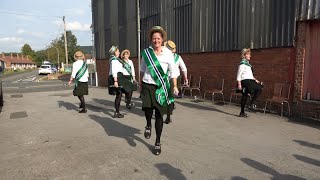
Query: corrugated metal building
{"x": 213, "y": 32}
{"x": 201, "y": 25}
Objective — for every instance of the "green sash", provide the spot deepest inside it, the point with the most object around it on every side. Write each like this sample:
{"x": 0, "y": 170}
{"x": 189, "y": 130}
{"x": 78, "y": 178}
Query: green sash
{"x": 245, "y": 62}
{"x": 80, "y": 73}
{"x": 176, "y": 58}
{"x": 127, "y": 67}
{"x": 163, "y": 94}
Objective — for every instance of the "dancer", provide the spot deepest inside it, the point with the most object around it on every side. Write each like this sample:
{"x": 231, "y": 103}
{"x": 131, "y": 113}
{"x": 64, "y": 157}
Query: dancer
{"x": 80, "y": 74}
{"x": 129, "y": 74}
{"x": 155, "y": 93}
{"x": 178, "y": 63}
{"x": 116, "y": 82}
{"x": 247, "y": 83}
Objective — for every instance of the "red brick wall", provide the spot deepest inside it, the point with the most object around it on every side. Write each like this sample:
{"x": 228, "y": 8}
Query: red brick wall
{"x": 270, "y": 66}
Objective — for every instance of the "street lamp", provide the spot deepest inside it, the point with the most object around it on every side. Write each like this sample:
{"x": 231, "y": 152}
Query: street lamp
{"x": 58, "y": 57}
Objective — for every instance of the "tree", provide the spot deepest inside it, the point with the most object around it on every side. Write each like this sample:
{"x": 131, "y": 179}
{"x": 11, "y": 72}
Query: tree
{"x": 71, "y": 44}
{"x": 27, "y": 50}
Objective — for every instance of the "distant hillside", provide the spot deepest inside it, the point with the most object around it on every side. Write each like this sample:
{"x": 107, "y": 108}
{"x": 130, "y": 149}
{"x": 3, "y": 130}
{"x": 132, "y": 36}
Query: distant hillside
{"x": 86, "y": 49}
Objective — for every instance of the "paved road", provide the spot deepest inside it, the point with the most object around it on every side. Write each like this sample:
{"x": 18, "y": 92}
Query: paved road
{"x": 42, "y": 136}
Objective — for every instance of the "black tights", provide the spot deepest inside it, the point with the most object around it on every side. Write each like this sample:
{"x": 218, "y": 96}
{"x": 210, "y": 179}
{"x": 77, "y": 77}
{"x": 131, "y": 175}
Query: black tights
{"x": 82, "y": 102}
{"x": 243, "y": 102}
{"x": 128, "y": 97}
{"x": 244, "y": 98}
{"x": 159, "y": 121}
{"x": 117, "y": 101}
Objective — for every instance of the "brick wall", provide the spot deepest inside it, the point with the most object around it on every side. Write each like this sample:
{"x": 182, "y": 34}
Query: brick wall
{"x": 270, "y": 66}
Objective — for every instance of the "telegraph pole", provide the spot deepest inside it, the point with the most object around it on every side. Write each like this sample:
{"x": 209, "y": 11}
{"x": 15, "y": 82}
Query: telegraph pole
{"x": 65, "y": 40}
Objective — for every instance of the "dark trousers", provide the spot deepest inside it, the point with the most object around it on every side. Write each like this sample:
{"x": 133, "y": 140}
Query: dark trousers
{"x": 250, "y": 86}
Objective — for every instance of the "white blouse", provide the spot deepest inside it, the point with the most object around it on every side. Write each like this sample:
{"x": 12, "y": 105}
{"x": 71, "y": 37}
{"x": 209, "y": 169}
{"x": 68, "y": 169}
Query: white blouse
{"x": 125, "y": 72}
{"x": 244, "y": 72}
{"x": 115, "y": 67}
{"x": 180, "y": 63}
{"x": 76, "y": 66}
{"x": 166, "y": 60}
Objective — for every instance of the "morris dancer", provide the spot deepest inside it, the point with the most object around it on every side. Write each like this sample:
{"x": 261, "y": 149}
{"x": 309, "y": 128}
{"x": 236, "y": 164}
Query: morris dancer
{"x": 178, "y": 62}
{"x": 247, "y": 84}
{"x": 129, "y": 74}
{"x": 80, "y": 74}
{"x": 155, "y": 93}
{"x": 116, "y": 82}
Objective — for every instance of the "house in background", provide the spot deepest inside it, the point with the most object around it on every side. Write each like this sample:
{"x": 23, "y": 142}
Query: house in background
{"x": 283, "y": 35}
{"x": 17, "y": 62}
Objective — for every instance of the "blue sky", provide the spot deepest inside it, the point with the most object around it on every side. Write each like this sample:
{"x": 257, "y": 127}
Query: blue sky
{"x": 38, "y": 22}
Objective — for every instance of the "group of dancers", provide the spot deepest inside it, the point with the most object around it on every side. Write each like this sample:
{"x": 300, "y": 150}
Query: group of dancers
{"x": 160, "y": 71}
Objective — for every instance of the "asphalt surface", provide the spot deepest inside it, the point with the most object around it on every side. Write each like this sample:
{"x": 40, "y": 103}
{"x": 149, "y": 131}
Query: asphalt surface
{"x": 42, "y": 136}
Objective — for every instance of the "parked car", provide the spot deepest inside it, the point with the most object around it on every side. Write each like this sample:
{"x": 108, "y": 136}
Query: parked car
{"x": 1, "y": 93}
{"x": 48, "y": 69}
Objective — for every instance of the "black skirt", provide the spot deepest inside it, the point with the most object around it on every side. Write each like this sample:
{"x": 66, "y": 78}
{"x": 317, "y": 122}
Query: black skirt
{"x": 81, "y": 89}
{"x": 250, "y": 86}
{"x": 125, "y": 84}
{"x": 148, "y": 96}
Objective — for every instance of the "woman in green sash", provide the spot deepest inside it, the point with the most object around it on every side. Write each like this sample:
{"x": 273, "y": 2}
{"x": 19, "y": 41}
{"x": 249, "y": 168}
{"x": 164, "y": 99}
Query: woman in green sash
{"x": 129, "y": 74}
{"x": 116, "y": 82}
{"x": 156, "y": 65}
{"x": 247, "y": 84}
{"x": 80, "y": 74}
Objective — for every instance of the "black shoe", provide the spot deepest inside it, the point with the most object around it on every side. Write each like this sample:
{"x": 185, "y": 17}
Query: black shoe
{"x": 168, "y": 120}
{"x": 83, "y": 110}
{"x": 129, "y": 106}
{"x": 80, "y": 106}
{"x": 118, "y": 115}
{"x": 157, "y": 149}
{"x": 243, "y": 114}
{"x": 147, "y": 132}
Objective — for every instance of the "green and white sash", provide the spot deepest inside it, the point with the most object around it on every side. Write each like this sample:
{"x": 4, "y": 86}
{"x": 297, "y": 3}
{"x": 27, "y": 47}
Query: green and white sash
{"x": 163, "y": 94}
{"x": 176, "y": 58}
{"x": 80, "y": 73}
{"x": 246, "y": 62}
{"x": 127, "y": 67}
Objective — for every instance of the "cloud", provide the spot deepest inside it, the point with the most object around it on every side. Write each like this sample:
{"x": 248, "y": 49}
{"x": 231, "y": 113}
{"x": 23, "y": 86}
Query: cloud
{"x": 74, "y": 12}
{"x": 21, "y": 31}
{"x": 77, "y": 26}
{"x": 34, "y": 34}
{"x": 10, "y": 40}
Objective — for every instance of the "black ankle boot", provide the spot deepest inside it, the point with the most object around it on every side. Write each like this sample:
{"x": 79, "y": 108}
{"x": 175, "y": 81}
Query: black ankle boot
{"x": 147, "y": 132}
{"x": 243, "y": 114}
{"x": 118, "y": 115}
{"x": 83, "y": 110}
{"x": 168, "y": 120}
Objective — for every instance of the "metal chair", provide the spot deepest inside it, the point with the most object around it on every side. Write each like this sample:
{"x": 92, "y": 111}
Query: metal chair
{"x": 194, "y": 85}
{"x": 218, "y": 90}
{"x": 281, "y": 95}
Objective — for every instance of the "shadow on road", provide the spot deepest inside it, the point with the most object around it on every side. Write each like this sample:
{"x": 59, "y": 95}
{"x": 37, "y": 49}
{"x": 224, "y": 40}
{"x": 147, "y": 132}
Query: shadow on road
{"x": 202, "y": 107}
{"x": 67, "y": 105}
{"x": 110, "y": 104}
{"x": 117, "y": 129}
{"x": 307, "y": 144}
{"x": 169, "y": 171}
{"x": 307, "y": 160}
{"x": 266, "y": 169}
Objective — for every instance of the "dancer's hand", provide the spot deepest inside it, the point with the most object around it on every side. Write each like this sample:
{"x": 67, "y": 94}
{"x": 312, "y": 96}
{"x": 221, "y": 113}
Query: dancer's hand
{"x": 239, "y": 87}
{"x": 186, "y": 82}
{"x": 175, "y": 90}
{"x": 116, "y": 84}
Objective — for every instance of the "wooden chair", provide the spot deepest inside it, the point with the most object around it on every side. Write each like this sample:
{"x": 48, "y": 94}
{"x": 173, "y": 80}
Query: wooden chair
{"x": 217, "y": 90}
{"x": 281, "y": 95}
{"x": 194, "y": 85}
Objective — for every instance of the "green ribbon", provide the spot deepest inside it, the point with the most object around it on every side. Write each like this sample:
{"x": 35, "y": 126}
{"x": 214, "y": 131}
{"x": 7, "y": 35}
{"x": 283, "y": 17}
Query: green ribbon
{"x": 127, "y": 67}
{"x": 80, "y": 73}
{"x": 163, "y": 93}
{"x": 176, "y": 58}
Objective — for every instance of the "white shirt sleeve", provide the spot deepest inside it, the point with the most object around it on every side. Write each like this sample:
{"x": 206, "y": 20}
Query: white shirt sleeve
{"x": 132, "y": 68}
{"x": 240, "y": 72}
{"x": 74, "y": 70}
{"x": 171, "y": 66}
{"x": 115, "y": 68}
{"x": 182, "y": 65}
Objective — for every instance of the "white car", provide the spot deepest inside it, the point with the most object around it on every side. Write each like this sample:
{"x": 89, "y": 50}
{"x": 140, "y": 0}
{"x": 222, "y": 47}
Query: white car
{"x": 47, "y": 69}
